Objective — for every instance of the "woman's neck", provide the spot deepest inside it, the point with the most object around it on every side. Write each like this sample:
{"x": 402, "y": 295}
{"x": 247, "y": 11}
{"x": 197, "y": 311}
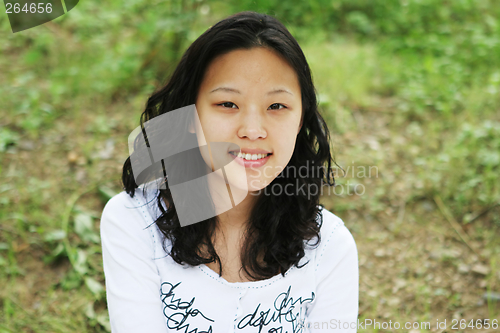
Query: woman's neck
{"x": 235, "y": 221}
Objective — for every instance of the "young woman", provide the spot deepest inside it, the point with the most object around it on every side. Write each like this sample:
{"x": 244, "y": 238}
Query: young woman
{"x": 275, "y": 261}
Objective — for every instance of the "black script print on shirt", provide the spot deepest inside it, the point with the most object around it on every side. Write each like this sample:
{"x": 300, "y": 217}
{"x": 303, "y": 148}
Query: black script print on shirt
{"x": 286, "y": 309}
{"x": 184, "y": 310}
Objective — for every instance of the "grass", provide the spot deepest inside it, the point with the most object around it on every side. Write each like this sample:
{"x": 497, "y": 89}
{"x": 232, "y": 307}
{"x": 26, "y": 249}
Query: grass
{"x": 410, "y": 243}
{"x": 426, "y": 122}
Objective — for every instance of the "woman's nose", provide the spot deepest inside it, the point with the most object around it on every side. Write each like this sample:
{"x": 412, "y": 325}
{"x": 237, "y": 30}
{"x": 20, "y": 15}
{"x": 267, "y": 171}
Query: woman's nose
{"x": 252, "y": 126}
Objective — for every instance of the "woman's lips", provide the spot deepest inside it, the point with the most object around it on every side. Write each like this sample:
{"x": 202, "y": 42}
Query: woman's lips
{"x": 251, "y": 164}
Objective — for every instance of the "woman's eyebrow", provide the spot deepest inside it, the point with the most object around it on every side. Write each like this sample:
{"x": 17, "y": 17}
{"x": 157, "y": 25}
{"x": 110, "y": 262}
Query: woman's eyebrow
{"x": 278, "y": 91}
{"x": 272, "y": 92}
{"x": 226, "y": 89}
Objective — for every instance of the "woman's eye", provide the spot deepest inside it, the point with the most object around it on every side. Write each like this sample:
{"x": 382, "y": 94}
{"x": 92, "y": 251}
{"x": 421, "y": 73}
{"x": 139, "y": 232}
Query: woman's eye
{"x": 277, "y": 105}
{"x": 228, "y": 105}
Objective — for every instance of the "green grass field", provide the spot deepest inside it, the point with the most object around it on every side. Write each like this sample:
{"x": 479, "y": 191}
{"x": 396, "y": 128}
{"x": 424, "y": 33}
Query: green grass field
{"x": 410, "y": 90}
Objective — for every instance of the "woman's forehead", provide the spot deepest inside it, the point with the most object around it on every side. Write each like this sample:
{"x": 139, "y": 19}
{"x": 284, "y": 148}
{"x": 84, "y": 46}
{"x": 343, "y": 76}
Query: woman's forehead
{"x": 258, "y": 68}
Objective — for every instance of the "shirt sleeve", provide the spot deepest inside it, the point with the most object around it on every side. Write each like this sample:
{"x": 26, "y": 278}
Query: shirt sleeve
{"x": 336, "y": 306}
{"x": 132, "y": 279}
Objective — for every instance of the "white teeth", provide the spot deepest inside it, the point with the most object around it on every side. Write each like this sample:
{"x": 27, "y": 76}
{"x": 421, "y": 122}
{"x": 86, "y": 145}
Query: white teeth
{"x": 250, "y": 157}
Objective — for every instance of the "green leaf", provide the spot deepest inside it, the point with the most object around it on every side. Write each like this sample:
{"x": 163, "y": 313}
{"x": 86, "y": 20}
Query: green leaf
{"x": 55, "y": 235}
{"x": 94, "y": 286}
{"x": 71, "y": 281}
{"x": 58, "y": 250}
{"x": 83, "y": 224}
{"x": 85, "y": 229}
{"x": 80, "y": 264}
{"x": 89, "y": 311}
{"x": 103, "y": 319}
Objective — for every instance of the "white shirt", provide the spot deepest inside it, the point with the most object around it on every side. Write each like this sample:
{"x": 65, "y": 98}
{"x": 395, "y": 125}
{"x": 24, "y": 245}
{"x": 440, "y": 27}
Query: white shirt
{"x": 149, "y": 292}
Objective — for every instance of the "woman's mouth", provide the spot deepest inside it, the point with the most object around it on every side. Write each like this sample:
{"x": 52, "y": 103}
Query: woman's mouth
{"x": 249, "y": 157}
{"x": 250, "y": 160}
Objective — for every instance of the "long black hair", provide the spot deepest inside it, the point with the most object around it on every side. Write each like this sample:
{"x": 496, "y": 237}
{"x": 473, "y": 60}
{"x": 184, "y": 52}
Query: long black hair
{"x": 279, "y": 224}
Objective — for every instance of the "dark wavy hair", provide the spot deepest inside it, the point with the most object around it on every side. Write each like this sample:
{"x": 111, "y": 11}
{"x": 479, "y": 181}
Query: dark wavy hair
{"x": 279, "y": 225}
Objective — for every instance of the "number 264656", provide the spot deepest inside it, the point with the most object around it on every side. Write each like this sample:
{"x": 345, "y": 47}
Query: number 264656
{"x": 29, "y": 8}
{"x": 478, "y": 324}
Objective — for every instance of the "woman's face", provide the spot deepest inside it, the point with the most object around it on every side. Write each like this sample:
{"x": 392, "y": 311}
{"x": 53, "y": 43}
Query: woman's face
{"x": 251, "y": 98}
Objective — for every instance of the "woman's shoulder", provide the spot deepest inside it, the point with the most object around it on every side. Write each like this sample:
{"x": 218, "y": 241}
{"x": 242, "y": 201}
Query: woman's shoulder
{"x": 143, "y": 197}
{"x": 118, "y": 201}
{"x": 328, "y": 221}
{"x": 122, "y": 202}
{"x": 118, "y": 205}
{"x": 123, "y": 210}
{"x": 330, "y": 225}
{"x": 335, "y": 237}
